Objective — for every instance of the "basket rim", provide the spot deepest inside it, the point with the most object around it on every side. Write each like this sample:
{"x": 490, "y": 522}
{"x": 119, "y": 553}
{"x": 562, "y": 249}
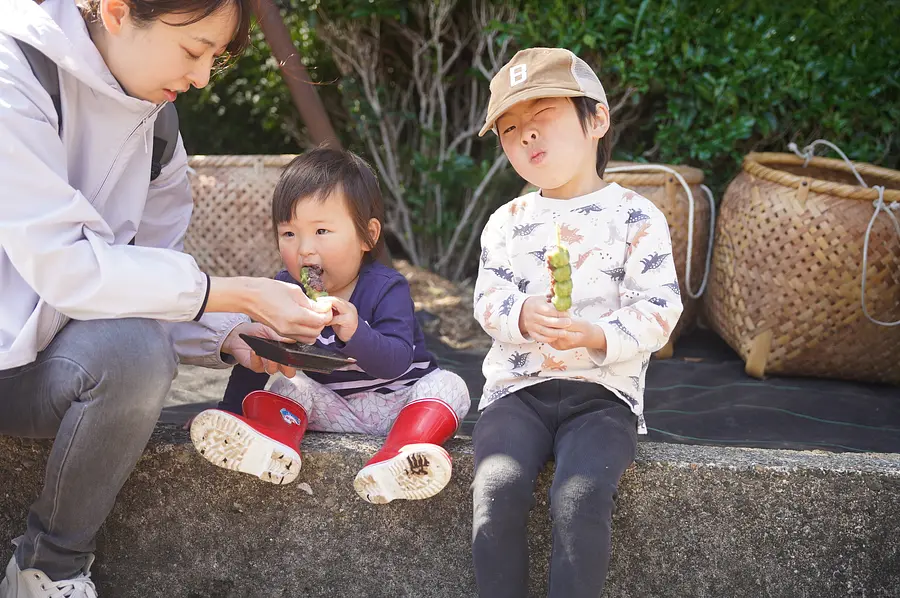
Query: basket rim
{"x": 764, "y": 165}
{"x": 692, "y": 176}
{"x": 208, "y": 160}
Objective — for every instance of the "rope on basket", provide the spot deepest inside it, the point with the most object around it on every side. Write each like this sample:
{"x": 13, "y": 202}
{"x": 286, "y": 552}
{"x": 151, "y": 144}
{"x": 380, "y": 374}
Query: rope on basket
{"x": 690, "y": 242}
{"x": 878, "y": 204}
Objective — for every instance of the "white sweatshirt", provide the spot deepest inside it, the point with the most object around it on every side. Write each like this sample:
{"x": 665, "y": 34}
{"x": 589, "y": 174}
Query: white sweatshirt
{"x": 623, "y": 279}
{"x": 70, "y": 205}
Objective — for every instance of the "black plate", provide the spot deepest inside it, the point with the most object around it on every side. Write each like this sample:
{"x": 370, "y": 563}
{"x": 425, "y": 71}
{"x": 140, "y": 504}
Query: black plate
{"x": 297, "y": 355}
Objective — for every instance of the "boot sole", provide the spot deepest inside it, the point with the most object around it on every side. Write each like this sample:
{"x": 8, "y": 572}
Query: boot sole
{"x": 226, "y": 441}
{"x": 419, "y": 471}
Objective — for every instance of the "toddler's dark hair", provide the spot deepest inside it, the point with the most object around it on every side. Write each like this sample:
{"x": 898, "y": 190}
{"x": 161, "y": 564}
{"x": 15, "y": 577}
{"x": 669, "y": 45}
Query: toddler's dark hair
{"x": 316, "y": 175}
{"x": 586, "y": 108}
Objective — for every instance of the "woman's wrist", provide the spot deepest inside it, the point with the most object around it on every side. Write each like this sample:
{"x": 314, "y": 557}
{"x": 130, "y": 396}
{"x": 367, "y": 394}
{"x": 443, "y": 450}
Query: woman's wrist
{"x": 232, "y": 294}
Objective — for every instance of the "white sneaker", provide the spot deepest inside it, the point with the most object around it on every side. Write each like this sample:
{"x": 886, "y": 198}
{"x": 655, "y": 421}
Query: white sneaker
{"x": 32, "y": 583}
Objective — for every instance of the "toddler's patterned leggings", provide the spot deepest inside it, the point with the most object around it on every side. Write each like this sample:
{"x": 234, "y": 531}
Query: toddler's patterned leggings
{"x": 370, "y": 412}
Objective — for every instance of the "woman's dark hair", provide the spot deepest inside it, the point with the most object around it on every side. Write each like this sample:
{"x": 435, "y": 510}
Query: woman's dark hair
{"x": 319, "y": 173}
{"x": 586, "y": 108}
{"x": 145, "y": 12}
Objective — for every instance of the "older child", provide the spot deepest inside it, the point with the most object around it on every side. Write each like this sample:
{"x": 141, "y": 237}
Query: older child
{"x": 327, "y": 211}
{"x": 564, "y": 385}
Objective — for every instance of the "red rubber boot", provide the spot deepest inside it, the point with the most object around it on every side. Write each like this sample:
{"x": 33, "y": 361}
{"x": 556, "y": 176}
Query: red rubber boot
{"x": 411, "y": 464}
{"x": 265, "y": 442}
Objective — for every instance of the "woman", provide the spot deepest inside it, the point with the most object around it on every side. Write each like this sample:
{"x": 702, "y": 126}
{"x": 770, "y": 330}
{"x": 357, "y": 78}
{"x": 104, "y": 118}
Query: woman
{"x": 98, "y": 303}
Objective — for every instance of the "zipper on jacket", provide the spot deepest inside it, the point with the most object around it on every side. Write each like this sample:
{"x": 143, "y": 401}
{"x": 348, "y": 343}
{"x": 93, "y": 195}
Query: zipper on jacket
{"x": 59, "y": 319}
{"x": 140, "y": 127}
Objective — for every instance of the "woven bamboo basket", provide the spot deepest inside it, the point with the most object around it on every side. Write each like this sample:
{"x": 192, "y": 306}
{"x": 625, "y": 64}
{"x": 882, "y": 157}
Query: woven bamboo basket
{"x": 667, "y": 193}
{"x": 784, "y": 290}
{"x": 231, "y": 228}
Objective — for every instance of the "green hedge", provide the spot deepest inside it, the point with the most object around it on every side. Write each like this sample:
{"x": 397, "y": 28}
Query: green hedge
{"x": 715, "y": 80}
{"x": 695, "y": 82}
{"x": 712, "y": 80}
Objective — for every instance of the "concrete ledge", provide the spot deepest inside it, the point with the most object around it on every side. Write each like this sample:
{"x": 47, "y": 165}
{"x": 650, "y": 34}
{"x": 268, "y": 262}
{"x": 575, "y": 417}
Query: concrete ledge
{"x": 692, "y": 522}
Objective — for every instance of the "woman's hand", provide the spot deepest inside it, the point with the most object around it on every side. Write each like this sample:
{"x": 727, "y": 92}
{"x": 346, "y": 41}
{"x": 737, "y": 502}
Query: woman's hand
{"x": 280, "y": 305}
{"x": 235, "y": 346}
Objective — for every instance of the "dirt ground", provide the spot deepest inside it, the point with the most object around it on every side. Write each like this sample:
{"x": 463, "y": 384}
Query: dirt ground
{"x": 451, "y": 303}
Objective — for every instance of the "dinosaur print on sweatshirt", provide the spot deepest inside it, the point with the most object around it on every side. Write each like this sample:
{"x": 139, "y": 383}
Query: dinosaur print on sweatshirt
{"x": 524, "y": 230}
{"x": 584, "y": 257}
{"x": 618, "y": 324}
{"x": 552, "y": 363}
{"x": 635, "y": 216}
{"x": 617, "y": 274}
{"x": 570, "y": 235}
{"x": 674, "y": 287}
{"x": 539, "y": 254}
{"x": 519, "y": 360}
{"x": 621, "y": 276}
{"x": 653, "y": 262}
{"x": 507, "y": 305}
{"x": 502, "y": 272}
{"x": 499, "y": 393}
{"x": 638, "y": 236}
{"x": 582, "y": 304}
{"x": 588, "y": 210}
{"x": 613, "y": 235}
{"x": 488, "y": 314}
{"x": 662, "y": 323}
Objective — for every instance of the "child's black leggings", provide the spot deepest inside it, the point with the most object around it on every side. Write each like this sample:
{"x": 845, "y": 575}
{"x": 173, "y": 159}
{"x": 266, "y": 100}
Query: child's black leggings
{"x": 592, "y": 436}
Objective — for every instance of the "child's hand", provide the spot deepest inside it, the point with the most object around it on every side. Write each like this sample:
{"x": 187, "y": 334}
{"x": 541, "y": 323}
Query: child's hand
{"x": 284, "y": 307}
{"x": 541, "y": 321}
{"x": 581, "y": 333}
{"x": 345, "y": 318}
{"x": 235, "y": 346}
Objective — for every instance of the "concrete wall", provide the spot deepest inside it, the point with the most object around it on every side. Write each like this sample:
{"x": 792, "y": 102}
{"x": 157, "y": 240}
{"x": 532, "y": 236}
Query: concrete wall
{"x": 692, "y": 522}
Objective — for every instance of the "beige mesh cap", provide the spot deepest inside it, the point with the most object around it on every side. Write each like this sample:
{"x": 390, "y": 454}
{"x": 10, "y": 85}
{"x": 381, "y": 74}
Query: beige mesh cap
{"x": 541, "y": 73}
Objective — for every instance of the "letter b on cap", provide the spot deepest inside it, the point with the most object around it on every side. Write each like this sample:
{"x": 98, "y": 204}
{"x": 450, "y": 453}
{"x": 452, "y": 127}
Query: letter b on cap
{"x": 518, "y": 74}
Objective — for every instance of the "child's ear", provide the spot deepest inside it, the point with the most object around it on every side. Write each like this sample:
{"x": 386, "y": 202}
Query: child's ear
{"x": 600, "y": 122}
{"x": 374, "y": 232}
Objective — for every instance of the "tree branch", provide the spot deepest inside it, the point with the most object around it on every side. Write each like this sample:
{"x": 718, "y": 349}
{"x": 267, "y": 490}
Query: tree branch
{"x": 499, "y": 162}
{"x": 475, "y": 233}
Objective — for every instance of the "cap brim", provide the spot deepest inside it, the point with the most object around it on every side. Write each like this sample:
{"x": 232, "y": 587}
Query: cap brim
{"x": 524, "y": 96}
